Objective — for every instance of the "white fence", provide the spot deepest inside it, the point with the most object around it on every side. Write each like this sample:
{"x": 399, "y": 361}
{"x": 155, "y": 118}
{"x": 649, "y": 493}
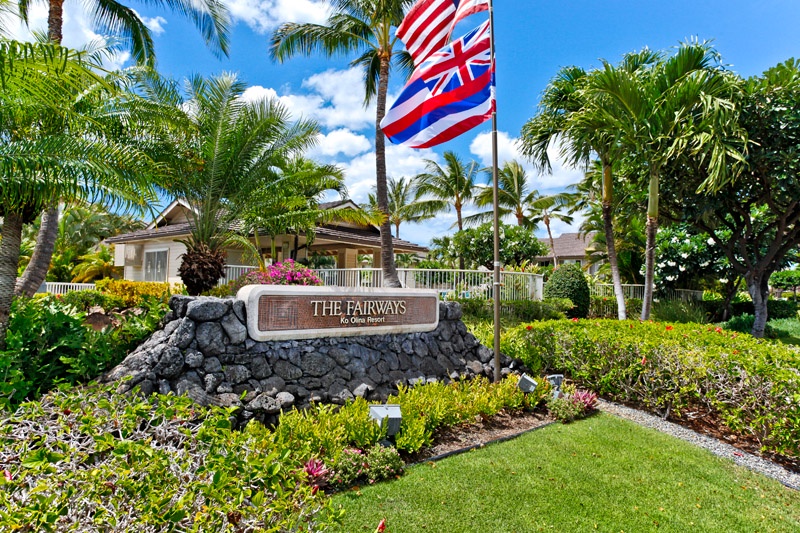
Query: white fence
{"x": 631, "y": 291}
{"x": 233, "y": 272}
{"x": 449, "y": 283}
{"x": 54, "y": 287}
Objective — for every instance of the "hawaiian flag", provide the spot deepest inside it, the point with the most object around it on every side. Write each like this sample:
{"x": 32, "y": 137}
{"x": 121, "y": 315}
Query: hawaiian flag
{"x": 450, "y": 93}
{"x": 428, "y": 25}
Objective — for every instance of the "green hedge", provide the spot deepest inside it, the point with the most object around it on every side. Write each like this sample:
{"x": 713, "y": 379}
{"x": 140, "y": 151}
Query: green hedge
{"x": 569, "y": 281}
{"x": 752, "y": 384}
{"x": 775, "y": 309}
{"x": 527, "y": 310}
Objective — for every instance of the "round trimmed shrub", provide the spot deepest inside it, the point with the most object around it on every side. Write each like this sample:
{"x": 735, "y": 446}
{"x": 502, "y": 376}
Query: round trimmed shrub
{"x": 568, "y": 281}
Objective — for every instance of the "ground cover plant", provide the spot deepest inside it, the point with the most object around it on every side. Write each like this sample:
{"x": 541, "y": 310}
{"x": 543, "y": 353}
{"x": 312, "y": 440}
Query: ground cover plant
{"x": 85, "y": 456}
{"x": 752, "y": 385}
{"x": 602, "y": 474}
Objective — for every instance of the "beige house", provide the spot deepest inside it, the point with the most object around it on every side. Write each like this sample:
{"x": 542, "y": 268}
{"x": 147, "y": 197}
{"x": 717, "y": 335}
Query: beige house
{"x": 570, "y": 248}
{"x": 153, "y": 254}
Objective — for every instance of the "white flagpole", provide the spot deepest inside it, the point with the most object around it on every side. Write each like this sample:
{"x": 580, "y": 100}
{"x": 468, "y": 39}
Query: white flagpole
{"x": 496, "y": 215}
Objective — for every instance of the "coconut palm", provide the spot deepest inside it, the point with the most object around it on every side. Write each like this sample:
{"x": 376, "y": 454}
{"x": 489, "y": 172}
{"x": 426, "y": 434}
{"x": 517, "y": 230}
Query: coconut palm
{"x": 404, "y": 204}
{"x": 546, "y": 209}
{"x": 98, "y": 264}
{"x": 211, "y": 18}
{"x": 681, "y": 105}
{"x": 362, "y": 28}
{"x": 240, "y": 148}
{"x": 513, "y": 198}
{"x": 85, "y": 154}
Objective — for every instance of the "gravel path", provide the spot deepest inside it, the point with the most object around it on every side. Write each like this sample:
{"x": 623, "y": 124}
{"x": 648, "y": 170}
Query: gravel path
{"x": 742, "y": 458}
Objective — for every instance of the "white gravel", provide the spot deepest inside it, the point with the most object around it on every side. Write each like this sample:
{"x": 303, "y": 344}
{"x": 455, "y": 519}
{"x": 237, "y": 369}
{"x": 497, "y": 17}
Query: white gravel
{"x": 742, "y": 458}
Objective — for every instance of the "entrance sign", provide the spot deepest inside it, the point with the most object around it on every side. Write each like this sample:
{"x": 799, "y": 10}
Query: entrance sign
{"x": 286, "y": 312}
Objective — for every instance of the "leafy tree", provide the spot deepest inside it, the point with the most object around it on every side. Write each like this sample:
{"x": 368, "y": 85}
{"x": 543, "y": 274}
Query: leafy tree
{"x": 364, "y": 28}
{"x": 681, "y": 105}
{"x": 518, "y": 245}
{"x": 754, "y": 219}
{"x": 64, "y": 132}
{"x": 211, "y": 18}
{"x": 240, "y": 148}
{"x": 786, "y": 280}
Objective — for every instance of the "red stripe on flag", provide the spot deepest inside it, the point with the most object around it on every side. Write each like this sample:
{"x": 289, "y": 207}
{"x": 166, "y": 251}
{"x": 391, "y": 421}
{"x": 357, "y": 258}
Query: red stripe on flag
{"x": 457, "y": 129}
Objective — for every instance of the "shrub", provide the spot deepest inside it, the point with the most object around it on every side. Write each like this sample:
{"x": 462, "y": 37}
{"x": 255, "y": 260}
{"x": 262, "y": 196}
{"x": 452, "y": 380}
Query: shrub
{"x": 349, "y": 467}
{"x": 526, "y": 310}
{"x": 744, "y": 324}
{"x": 383, "y": 462}
{"x": 568, "y": 281}
{"x": 83, "y": 300}
{"x": 564, "y": 409}
{"x": 47, "y": 344}
{"x": 606, "y": 307}
{"x": 132, "y": 292}
{"x": 679, "y": 311}
{"x": 287, "y": 272}
{"x": 751, "y": 384}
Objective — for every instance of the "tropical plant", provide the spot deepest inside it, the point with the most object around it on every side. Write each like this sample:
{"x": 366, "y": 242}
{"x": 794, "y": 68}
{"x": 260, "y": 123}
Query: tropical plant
{"x": 547, "y": 208}
{"x": 404, "y": 205}
{"x": 211, "y": 18}
{"x": 569, "y": 281}
{"x": 681, "y": 105}
{"x": 361, "y": 27}
{"x": 518, "y": 245}
{"x": 569, "y": 114}
{"x": 514, "y": 196}
{"x": 64, "y": 131}
{"x": 239, "y": 151}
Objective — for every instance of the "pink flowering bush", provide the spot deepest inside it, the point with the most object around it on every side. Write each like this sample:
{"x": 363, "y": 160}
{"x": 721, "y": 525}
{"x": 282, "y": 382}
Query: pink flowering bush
{"x": 287, "y": 272}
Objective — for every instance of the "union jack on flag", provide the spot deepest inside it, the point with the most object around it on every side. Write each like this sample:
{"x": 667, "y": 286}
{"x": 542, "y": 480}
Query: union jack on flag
{"x": 450, "y": 93}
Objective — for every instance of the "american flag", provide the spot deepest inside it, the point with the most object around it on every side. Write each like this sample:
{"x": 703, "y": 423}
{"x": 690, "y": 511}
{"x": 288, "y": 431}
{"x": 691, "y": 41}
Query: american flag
{"x": 429, "y": 23}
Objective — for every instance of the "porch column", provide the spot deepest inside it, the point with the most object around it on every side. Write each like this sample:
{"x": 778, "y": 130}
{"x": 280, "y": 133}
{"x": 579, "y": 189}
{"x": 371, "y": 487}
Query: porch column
{"x": 376, "y": 258}
{"x": 347, "y": 258}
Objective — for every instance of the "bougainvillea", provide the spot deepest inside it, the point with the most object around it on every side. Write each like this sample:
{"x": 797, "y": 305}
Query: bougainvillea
{"x": 287, "y": 272}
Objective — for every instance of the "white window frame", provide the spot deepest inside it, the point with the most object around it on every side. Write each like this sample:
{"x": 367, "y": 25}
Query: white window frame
{"x": 166, "y": 264}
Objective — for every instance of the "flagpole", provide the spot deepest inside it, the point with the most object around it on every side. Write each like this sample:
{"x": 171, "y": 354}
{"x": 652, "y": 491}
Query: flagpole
{"x": 496, "y": 215}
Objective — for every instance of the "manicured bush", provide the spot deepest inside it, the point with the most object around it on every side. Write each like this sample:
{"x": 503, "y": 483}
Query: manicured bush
{"x": 132, "y": 292}
{"x": 752, "y": 384}
{"x": 569, "y": 281}
{"x": 744, "y": 324}
{"x": 83, "y": 300}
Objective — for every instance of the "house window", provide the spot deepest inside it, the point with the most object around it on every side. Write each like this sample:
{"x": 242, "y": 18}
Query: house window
{"x": 155, "y": 266}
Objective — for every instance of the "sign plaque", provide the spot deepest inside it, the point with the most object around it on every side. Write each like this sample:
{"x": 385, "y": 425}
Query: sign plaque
{"x": 284, "y": 312}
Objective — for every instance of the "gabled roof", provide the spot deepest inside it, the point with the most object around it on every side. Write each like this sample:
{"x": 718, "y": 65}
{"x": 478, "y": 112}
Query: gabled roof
{"x": 569, "y": 245}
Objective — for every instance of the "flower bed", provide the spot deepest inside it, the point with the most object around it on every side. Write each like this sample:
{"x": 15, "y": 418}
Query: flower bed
{"x": 753, "y": 385}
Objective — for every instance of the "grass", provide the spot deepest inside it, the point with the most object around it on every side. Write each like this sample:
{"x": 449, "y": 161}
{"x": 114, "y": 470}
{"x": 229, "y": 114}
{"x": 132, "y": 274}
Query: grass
{"x": 599, "y": 474}
{"x": 787, "y": 330}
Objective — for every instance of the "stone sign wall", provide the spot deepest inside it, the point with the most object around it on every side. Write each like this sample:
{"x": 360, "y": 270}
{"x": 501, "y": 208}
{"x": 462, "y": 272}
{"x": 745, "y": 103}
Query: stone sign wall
{"x": 204, "y": 351}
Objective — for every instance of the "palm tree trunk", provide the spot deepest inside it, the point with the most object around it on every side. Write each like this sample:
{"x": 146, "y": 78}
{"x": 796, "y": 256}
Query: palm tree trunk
{"x": 390, "y": 278}
{"x": 552, "y": 242}
{"x": 650, "y": 246}
{"x": 9, "y": 258}
{"x": 460, "y": 222}
{"x": 611, "y": 247}
{"x": 36, "y": 271}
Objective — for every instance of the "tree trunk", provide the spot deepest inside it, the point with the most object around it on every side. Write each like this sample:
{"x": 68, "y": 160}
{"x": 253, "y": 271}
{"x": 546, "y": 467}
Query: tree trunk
{"x": 758, "y": 287}
{"x": 650, "y": 247}
{"x": 611, "y": 247}
{"x": 9, "y": 259}
{"x": 36, "y": 271}
{"x": 390, "y": 278}
{"x": 552, "y": 242}
{"x": 460, "y": 222}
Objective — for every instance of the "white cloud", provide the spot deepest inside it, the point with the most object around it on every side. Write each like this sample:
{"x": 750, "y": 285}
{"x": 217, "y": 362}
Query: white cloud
{"x": 341, "y": 141}
{"x": 265, "y": 15}
{"x": 154, "y": 24}
{"x": 507, "y": 150}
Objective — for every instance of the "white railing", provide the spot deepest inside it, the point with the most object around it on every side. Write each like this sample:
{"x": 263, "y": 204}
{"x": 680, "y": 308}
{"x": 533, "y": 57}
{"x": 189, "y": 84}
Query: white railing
{"x": 449, "y": 283}
{"x": 233, "y": 272}
{"x": 55, "y": 287}
{"x": 606, "y": 290}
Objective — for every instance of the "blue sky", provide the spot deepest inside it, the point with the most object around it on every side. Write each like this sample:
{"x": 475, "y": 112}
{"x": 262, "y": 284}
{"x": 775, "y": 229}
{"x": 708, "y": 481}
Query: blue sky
{"x": 534, "y": 39}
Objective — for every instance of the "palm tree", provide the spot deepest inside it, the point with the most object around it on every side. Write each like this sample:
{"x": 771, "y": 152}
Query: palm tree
{"x": 450, "y": 186}
{"x": 546, "y": 208}
{"x": 211, "y": 18}
{"x": 239, "y": 149}
{"x": 514, "y": 197}
{"x": 364, "y": 28}
{"x": 404, "y": 204}
{"x": 566, "y": 113}
{"x": 680, "y": 105}
{"x": 84, "y": 155}
{"x": 98, "y": 264}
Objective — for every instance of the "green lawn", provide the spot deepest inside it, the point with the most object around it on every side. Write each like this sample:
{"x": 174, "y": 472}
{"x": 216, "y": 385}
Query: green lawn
{"x": 599, "y": 474}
